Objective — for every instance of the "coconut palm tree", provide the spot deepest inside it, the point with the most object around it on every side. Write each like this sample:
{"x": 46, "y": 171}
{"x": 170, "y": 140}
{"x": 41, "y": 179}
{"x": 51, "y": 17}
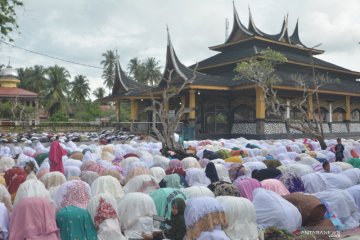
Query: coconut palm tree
{"x": 109, "y": 68}
{"x": 99, "y": 92}
{"x": 24, "y": 76}
{"x": 38, "y": 79}
{"x": 58, "y": 82}
{"x": 133, "y": 66}
{"x": 152, "y": 71}
{"x": 80, "y": 89}
{"x": 33, "y": 79}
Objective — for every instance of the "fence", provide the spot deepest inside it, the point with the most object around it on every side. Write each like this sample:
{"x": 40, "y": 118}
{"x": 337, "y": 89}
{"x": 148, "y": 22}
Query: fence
{"x": 135, "y": 127}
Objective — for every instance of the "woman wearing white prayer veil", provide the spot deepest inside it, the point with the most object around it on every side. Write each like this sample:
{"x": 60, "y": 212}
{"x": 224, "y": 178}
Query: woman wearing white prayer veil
{"x": 300, "y": 169}
{"x": 6, "y": 163}
{"x": 158, "y": 173}
{"x": 342, "y": 203}
{"x": 53, "y": 179}
{"x": 141, "y": 183}
{"x": 315, "y": 182}
{"x": 251, "y": 166}
{"x": 107, "y": 184}
{"x": 136, "y": 211}
{"x": 342, "y": 165}
{"x": 241, "y": 217}
{"x": 104, "y": 214}
{"x": 355, "y": 193}
{"x": 337, "y": 181}
{"x": 197, "y": 191}
{"x": 353, "y": 174}
{"x": 205, "y": 219}
{"x": 71, "y": 171}
{"x": 196, "y": 177}
{"x": 277, "y": 212}
{"x": 190, "y": 162}
{"x": 223, "y": 173}
{"x": 4, "y": 222}
{"x": 31, "y": 188}
{"x": 5, "y": 151}
{"x": 52, "y": 182}
{"x": 215, "y": 234}
{"x": 89, "y": 176}
{"x": 5, "y": 198}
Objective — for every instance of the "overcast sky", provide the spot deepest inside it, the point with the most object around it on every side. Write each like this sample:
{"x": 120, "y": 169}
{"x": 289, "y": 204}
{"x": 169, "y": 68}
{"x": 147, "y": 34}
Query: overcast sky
{"x": 81, "y": 30}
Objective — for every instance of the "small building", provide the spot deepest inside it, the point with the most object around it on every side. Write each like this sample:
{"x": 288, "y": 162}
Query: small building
{"x": 222, "y": 107}
{"x": 10, "y": 92}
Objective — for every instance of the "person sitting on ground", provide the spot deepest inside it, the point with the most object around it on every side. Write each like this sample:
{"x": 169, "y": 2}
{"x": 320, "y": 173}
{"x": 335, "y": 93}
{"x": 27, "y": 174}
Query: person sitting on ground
{"x": 326, "y": 166}
{"x": 177, "y": 223}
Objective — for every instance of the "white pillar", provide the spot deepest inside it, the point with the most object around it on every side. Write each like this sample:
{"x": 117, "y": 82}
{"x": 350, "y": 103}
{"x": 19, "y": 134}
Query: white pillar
{"x": 288, "y": 108}
{"x": 330, "y": 112}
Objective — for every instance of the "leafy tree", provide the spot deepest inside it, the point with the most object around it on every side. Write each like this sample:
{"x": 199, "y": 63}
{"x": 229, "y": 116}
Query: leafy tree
{"x": 125, "y": 112}
{"x": 99, "y": 92}
{"x": 141, "y": 75}
{"x": 109, "y": 68}
{"x": 8, "y": 17}
{"x": 80, "y": 89}
{"x": 27, "y": 113}
{"x": 146, "y": 72}
{"x": 137, "y": 70}
{"x": 133, "y": 65}
{"x": 58, "y": 83}
{"x": 260, "y": 70}
{"x": 88, "y": 111}
{"x": 34, "y": 79}
{"x": 5, "y": 110}
{"x": 24, "y": 75}
{"x": 152, "y": 71}
{"x": 38, "y": 79}
{"x": 59, "y": 117}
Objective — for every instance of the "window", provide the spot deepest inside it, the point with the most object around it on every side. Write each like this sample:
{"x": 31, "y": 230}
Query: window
{"x": 271, "y": 116}
{"x": 244, "y": 113}
{"x": 216, "y": 120}
{"x": 338, "y": 115}
{"x": 295, "y": 113}
{"x": 355, "y": 115}
{"x": 324, "y": 114}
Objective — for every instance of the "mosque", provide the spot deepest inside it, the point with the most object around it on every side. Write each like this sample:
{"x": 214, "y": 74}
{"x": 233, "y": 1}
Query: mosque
{"x": 219, "y": 106}
{"x": 10, "y": 92}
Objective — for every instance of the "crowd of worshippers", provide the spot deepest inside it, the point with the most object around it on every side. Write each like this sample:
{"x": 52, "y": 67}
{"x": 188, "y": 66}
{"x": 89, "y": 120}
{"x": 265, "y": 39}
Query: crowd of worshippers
{"x": 224, "y": 189}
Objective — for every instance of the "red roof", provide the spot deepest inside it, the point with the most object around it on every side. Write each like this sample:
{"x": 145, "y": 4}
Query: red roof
{"x": 13, "y": 92}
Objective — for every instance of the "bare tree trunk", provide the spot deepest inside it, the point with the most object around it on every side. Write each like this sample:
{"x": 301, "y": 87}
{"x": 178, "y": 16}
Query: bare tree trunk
{"x": 169, "y": 125}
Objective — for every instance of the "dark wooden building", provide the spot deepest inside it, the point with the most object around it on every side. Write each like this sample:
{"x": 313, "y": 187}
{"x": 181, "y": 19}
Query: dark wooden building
{"x": 222, "y": 107}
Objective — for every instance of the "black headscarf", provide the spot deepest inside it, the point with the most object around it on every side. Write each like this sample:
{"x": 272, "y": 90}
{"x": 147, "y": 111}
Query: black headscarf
{"x": 211, "y": 172}
{"x": 210, "y": 155}
{"x": 266, "y": 173}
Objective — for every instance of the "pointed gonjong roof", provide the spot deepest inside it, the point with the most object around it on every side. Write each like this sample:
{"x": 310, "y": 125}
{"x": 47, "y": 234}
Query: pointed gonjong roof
{"x": 282, "y": 36}
{"x": 182, "y": 73}
{"x": 295, "y": 39}
{"x": 284, "y": 33}
{"x": 240, "y": 33}
{"x": 125, "y": 86}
